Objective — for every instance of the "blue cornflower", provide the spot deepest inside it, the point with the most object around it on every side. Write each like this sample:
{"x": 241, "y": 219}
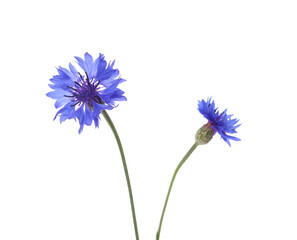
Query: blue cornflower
{"x": 84, "y": 96}
{"x": 218, "y": 122}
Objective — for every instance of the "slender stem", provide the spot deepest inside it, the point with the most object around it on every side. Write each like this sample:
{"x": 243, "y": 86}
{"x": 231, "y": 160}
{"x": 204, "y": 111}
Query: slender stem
{"x": 107, "y": 118}
{"x": 171, "y": 183}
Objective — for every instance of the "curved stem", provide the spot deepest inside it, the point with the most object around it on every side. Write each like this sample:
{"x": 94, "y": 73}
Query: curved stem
{"x": 171, "y": 183}
{"x": 107, "y": 118}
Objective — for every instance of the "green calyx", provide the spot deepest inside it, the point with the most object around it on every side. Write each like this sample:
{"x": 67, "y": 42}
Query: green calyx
{"x": 204, "y": 134}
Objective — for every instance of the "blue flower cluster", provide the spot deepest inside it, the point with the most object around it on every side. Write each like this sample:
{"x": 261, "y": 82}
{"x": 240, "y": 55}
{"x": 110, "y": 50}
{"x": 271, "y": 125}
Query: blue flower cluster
{"x": 83, "y": 96}
{"x": 219, "y": 122}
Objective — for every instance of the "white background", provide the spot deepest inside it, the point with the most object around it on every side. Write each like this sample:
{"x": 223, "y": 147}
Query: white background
{"x": 57, "y": 184}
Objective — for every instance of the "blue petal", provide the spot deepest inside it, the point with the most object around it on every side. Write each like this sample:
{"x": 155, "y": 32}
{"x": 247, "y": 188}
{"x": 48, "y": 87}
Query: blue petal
{"x": 88, "y": 116}
{"x": 79, "y": 114}
{"x": 61, "y": 101}
{"x": 65, "y": 74}
{"x": 61, "y": 83}
{"x": 233, "y": 138}
{"x": 104, "y": 73}
{"x": 87, "y": 65}
{"x": 119, "y": 98}
{"x": 81, "y": 127}
{"x": 101, "y": 68}
{"x": 57, "y": 94}
{"x": 73, "y": 71}
{"x": 96, "y": 122}
{"x": 65, "y": 110}
{"x": 227, "y": 141}
{"x": 112, "y": 84}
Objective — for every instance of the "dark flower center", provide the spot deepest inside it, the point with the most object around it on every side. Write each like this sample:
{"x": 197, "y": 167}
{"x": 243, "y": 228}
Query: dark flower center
{"x": 85, "y": 91}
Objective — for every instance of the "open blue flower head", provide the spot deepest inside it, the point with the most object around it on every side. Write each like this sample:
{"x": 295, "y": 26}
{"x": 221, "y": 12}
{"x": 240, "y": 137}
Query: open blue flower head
{"x": 219, "y": 122}
{"x": 83, "y": 95}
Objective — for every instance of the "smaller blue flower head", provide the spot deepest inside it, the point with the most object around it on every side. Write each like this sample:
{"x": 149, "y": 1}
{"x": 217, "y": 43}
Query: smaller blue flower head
{"x": 82, "y": 96}
{"x": 219, "y": 122}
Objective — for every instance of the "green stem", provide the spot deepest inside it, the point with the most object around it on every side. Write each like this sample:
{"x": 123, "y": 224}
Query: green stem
{"x": 107, "y": 118}
{"x": 171, "y": 183}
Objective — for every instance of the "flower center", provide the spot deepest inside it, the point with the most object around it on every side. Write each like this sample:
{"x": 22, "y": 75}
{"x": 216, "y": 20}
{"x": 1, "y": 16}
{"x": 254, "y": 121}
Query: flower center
{"x": 85, "y": 91}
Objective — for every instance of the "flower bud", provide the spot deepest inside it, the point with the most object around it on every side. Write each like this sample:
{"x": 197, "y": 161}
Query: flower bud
{"x": 204, "y": 134}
